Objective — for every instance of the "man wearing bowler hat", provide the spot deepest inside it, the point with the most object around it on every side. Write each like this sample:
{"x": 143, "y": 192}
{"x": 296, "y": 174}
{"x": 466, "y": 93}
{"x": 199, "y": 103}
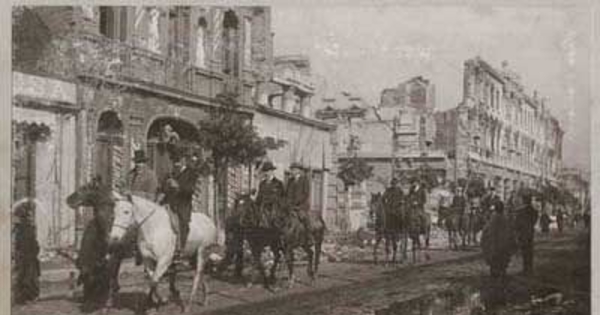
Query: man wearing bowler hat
{"x": 142, "y": 179}
{"x": 297, "y": 194}
{"x": 270, "y": 194}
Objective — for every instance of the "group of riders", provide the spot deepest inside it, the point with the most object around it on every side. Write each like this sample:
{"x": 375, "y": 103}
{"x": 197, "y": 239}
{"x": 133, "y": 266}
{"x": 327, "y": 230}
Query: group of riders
{"x": 403, "y": 207}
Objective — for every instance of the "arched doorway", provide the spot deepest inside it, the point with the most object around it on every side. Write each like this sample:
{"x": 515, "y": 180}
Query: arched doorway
{"x": 109, "y": 147}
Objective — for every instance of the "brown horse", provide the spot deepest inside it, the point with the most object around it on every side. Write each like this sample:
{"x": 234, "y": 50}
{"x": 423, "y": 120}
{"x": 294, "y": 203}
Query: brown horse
{"x": 388, "y": 227}
{"x": 283, "y": 234}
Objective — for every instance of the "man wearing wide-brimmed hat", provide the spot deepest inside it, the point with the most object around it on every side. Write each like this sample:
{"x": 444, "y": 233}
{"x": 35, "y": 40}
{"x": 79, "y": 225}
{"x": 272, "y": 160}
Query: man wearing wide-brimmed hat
{"x": 142, "y": 179}
{"x": 270, "y": 193}
{"x": 297, "y": 195}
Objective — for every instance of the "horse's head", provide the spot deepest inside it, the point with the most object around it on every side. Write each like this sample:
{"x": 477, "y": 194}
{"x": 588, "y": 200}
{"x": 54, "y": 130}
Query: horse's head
{"x": 123, "y": 218}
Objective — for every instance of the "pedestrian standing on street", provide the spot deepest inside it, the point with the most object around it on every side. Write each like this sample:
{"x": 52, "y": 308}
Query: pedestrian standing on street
{"x": 498, "y": 242}
{"x": 179, "y": 193}
{"x": 297, "y": 195}
{"x": 526, "y": 219}
{"x": 269, "y": 197}
{"x": 545, "y": 221}
{"x": 560, "y": 219}
{"x": 141, "y": 182}
{"x": 26, "y": 251}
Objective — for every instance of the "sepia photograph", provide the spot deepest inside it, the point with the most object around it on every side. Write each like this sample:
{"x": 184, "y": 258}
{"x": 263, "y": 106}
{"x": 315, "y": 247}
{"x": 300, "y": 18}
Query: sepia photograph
{"x": 332, "y": 158}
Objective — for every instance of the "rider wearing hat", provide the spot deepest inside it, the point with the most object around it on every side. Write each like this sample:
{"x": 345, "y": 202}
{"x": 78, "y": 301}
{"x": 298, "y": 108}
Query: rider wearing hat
{"x": 142, "y": 179}
{"x": 270, "y": 192}
{"x": 179, "y": 191}
{"x": 393, "y": 196}
{"x": 297, "y": 194}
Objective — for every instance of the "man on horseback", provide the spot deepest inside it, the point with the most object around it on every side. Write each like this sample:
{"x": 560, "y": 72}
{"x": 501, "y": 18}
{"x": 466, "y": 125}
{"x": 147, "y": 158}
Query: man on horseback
{"x": 179, "y": 191}
{"x": 418, "y": 195}
{"x": 269, "y": 196}
{"x": 142, "y": 180}
{"x": 297, "y": 195}
{"x": 393, "y": 199}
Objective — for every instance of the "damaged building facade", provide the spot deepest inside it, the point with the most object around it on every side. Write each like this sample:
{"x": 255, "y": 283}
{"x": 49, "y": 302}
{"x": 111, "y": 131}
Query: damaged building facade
{"x": 499, "y": 132}
{"x": 137, "y": 69}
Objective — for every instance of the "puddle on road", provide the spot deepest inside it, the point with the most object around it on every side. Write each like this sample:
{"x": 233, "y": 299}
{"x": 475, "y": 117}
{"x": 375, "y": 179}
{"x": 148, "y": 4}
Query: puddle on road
{"x": 459, "y": 300}
{"x": 465, "y": 299}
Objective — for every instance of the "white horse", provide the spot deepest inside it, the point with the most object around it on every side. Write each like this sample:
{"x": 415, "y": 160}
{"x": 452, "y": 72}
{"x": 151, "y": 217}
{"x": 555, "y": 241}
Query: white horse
{"x": 157, "y": 241}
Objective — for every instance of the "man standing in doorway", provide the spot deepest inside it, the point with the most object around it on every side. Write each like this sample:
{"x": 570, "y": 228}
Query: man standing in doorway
{"x": 297, "y": 194}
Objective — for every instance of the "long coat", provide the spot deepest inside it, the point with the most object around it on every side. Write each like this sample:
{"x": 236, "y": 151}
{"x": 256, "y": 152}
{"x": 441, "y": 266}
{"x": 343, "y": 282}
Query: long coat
{"x": 180, "y": 197}
{"x": 143, "y": 183}
{"x": 297, "y": 193}
{"x": 498, "y": 242}
{"x": 270, "y": 193}
{"x": 269, "y": 197}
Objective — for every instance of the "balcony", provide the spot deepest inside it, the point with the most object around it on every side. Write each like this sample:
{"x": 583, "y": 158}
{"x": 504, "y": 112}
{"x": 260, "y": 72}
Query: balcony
{"x": 106, "y": 58}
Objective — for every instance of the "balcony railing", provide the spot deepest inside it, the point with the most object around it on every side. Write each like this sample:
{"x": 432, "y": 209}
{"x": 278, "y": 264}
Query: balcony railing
{"x": 103, "y": 57}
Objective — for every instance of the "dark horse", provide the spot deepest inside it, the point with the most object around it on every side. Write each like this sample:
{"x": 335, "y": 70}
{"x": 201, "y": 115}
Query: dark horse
{"x": 283, "y": 235}
{"x": 388, "y": 227}
{"x": 98, "y": 274}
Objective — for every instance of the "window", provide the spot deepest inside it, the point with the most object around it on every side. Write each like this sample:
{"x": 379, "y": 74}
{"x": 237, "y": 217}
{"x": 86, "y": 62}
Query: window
{"x": 113, "y": 22}
{"x": 230, "y": 43}
{"x": 178, "y": 33}
{"x": 247, "y": 42}
{"x": 108, "y": 21}
{"x": 201, "y": 43}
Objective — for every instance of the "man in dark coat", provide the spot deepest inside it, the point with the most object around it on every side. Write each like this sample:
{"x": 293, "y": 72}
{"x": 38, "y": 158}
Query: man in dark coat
{"x": 418, "y": 195}
{"x": 26, "y": 250}
{"x": 270, "y": 195}
{"x": 179, "y": 192}
{"x": 297, "y": 195}
{"x": 526, "y": 218}
{"x": 498, "y": 242}
{"x": 392, "y": 201}
{"x": 142, "y": 180}
{"x": 459, "y": 202}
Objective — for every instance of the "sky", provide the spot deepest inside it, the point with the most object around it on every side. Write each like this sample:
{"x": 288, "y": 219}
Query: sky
{"x": 363, "y": 49}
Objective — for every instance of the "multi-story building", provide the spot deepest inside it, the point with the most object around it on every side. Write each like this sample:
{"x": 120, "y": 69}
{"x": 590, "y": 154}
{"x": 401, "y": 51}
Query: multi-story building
{"x": 395, "y": 137}
{"x": 138, "y": 69}
{"x": 500, "y": 132}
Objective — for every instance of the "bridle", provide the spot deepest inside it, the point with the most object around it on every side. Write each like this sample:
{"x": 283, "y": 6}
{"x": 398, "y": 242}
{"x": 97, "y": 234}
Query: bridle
{"x": 135, "y": 222}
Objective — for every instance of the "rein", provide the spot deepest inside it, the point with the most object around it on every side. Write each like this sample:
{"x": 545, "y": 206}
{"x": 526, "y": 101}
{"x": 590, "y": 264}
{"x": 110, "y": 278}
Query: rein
{"x": 137, "y": 224}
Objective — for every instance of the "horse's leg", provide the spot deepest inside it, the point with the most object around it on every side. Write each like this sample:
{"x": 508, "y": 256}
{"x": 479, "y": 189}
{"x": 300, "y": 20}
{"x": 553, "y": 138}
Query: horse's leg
{"x": 256, "y": 255}
{"x": 175, "y": 296}
{"x": 377, "y": 241}
{"x": 309, "y": 270}
{"x": 161, "y": 268}
{"x": 386, "y": 240}
{"x": 198, "y": 278}
{"x": 289, "y": 255}
{"x": 394, "y": 240}
{"x": 275, "y": 248}
{"x": 318, "y": 244}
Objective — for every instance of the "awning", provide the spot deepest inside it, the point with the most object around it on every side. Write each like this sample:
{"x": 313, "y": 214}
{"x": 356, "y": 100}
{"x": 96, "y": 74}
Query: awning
{"x": 20, "y": 114}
